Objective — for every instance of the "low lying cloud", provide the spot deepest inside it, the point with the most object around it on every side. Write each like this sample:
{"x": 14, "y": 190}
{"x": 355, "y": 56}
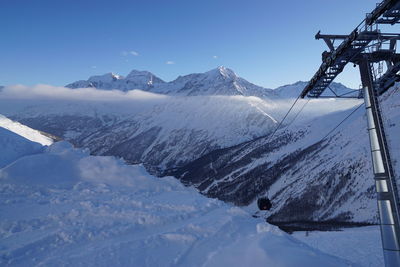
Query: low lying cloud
{"x": 43, "y": 91}
{"x": 138, "y": 101}
{"x": 170, "y": 62}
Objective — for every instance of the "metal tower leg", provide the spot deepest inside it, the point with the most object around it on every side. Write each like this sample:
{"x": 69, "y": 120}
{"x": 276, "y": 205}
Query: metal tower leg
{"x": 386, "y": 187}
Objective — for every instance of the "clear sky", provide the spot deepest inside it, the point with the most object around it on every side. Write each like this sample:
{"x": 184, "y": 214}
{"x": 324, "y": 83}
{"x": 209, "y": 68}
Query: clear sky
{"x": 269, "y": 43}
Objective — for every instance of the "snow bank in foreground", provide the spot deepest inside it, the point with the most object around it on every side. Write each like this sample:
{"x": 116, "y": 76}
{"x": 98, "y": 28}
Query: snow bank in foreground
{"x": 64, "y": 207}
{"x": 25, "y": 131}
{"x": 14, "y": 146}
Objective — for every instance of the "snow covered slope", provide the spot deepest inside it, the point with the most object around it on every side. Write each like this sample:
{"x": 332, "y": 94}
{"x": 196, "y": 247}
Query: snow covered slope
{"x": 17, "y": 140}
{"x": 64, "y": 207}
{"x": 307, "y": 178}
{"x": 219, "y": 81}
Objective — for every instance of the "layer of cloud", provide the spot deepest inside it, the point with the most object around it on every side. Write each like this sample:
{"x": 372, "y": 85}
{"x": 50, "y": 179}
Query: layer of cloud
{"x": 170, "y": 62}
{"x": 43, "y": 91}
{"x": 275, "y": 108}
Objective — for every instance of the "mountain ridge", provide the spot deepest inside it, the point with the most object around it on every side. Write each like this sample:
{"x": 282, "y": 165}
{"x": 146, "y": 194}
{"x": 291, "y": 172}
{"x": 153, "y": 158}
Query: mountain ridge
{"x": 217, "y": 81}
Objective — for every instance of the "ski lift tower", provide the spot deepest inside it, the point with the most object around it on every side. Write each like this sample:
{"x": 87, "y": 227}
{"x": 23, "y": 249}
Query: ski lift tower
{"x": 369, "y": 48}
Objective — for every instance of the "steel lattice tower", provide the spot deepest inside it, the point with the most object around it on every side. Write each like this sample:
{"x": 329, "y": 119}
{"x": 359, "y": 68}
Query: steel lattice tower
{"x": 365, "y": 46}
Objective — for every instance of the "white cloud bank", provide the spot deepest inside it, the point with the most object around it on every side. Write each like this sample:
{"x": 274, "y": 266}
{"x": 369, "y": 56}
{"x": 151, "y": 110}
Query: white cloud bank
{"x": 43, "y": 91}
{"x": 139, "y": 101}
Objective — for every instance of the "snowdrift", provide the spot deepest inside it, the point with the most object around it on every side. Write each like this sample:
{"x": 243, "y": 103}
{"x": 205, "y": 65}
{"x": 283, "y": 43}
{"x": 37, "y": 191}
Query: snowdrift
{"x": 64, "y": 207}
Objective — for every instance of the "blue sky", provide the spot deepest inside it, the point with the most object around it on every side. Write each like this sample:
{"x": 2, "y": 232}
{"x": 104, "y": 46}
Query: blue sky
{"x": 270, "y": 43}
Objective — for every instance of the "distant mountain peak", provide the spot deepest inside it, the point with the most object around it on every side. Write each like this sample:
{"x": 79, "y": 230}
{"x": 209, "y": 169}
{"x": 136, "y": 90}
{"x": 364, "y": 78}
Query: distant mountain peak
{"x": 222, "y": 71}
{"x": 143, "y": 77}
{"x": 136, "y": 79}
{"x": 108, "y": 77}
{"x": 140, "y": 73}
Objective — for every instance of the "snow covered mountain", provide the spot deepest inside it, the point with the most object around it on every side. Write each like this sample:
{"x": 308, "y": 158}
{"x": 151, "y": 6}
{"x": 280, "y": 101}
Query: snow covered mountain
{"x": 135, "y": 80}
{"x": 308, "y": 178}
{"x": 219, "y": 81}
{"x": 61, "y": 206}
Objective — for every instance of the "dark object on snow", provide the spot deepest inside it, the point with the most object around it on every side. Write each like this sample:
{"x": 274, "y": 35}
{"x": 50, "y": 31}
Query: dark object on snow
{"x": 264, "y": 203}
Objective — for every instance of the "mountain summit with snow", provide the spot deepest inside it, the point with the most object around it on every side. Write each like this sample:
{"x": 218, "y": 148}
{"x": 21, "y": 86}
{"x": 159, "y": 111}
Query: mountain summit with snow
{"x": 218, "y": 81}
{"x": 143, "y": 80}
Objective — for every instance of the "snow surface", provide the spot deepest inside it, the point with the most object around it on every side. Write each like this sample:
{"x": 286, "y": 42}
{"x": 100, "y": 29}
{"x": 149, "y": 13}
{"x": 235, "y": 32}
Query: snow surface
{"x": 14, "y": 146}
{"x": 18, "y": 140}
{"x": 64, "y": 207}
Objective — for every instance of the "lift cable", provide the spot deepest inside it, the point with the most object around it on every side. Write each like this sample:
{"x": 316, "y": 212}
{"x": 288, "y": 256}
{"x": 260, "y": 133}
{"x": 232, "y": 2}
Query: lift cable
{"x": 280, "y": 123}
{"x": 298, "y": 113}
{"x": 302, "y": 108}
{"x": 348, "y": 116}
